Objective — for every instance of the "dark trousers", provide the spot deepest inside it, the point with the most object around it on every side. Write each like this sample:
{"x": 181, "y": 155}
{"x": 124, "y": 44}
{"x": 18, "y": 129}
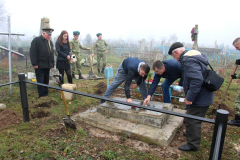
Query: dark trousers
{"x": 193, "y": 127}
{"x": 42, "y": 76}
{"x": 68, "y": 73}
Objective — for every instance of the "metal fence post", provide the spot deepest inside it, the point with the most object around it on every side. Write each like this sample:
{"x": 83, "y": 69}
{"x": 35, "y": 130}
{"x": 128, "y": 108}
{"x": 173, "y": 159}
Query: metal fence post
{"x": 24, "y": 99}
{"x": 221, "y": 119}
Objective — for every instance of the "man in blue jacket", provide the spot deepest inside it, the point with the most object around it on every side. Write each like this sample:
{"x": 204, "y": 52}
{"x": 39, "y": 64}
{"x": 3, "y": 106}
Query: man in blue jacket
{"x": 197, "y": 96}
{"x": 171, "y": 70}
{"x": 131, "y": 68}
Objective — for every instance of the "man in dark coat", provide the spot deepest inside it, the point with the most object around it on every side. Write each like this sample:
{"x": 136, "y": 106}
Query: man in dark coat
{"x": 169, "y": 69}
{"x": 42, "y": 59}
{"x": 197, "y": 96}
{"x": 131, "y": 68}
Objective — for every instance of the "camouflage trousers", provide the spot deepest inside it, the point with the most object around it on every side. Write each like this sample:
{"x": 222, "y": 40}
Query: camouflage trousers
{"x": 237, "y": 104}
{"x": 99, "y": 56}
{"x": 76, "y": 64}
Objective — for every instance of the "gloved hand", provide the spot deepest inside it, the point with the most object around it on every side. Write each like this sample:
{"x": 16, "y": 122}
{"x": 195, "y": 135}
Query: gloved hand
{"x": 234, "y": 76}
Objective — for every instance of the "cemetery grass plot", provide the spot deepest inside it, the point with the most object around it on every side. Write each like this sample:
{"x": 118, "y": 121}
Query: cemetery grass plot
{"x": 46, "y": 137}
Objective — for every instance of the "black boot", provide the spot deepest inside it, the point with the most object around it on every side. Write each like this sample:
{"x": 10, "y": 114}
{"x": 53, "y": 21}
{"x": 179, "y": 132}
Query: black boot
{"x": 80, "y": 76}
{"x": 98, "y": 71}
{"x": 236, "y": 121}
{"x": 73, "y": 76}
{"x": 102, "y": 70}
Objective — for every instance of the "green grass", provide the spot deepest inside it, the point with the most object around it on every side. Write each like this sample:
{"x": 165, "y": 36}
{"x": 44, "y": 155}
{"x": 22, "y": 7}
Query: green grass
{"x": 46, "y": 138}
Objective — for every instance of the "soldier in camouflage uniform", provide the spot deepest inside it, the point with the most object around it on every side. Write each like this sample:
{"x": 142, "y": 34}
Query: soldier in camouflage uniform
{"x": 75, "y": 47}
{"x": 236, "y": 121}
{"x": 102, "y": 47}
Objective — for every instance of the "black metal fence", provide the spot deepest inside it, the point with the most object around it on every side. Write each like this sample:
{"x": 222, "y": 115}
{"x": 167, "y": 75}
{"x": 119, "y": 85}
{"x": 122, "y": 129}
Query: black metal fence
{"x": 220, "y": 123}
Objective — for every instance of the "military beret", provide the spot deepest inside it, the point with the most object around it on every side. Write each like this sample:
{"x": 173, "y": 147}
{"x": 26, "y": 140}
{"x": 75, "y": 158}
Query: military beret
{"x": 98, "y": 34}
{"x": 175, "y": 46}
{"x": 76, "y": 33}
{"x": 48, "y": 30}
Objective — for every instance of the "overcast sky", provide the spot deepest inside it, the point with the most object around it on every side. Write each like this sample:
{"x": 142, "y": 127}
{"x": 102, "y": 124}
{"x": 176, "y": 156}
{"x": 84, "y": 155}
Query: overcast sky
{"x": 131, "y": 19}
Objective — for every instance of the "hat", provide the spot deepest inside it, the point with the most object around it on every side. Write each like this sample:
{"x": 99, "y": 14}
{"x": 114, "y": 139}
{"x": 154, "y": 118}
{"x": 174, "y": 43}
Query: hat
{"x": 175, "y": 46}
{"x": 48, "y": 30}
{"x": 75, "y": 33}
{"x": 98, "y": 34}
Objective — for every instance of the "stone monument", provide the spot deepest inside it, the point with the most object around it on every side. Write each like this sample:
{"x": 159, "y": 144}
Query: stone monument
{"x": 145, "y": 125}
{"x": 45, "y": 23}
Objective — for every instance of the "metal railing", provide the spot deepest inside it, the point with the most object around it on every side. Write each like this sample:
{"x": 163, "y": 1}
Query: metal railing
{"x": 220, "y": 123}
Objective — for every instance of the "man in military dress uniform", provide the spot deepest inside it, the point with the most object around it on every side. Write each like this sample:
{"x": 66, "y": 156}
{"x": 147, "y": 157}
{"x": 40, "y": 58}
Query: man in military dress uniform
{"x": 75, "y": 47}
{"x": 42, "y": 59}
{"x": 236, "y": 121}
{"x": 102, "y": 47}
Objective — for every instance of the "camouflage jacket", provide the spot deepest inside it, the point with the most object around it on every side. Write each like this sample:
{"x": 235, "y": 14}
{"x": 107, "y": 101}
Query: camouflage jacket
{"x": 75, "y": 46}
{"x": 100, "y": 46}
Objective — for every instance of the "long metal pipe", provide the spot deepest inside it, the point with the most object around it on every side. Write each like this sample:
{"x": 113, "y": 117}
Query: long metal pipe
{"x": 9, "y": 53}
{"x": 6, "y": 49}
{"x": 126, "y": 103}
{"x": 16, "y": 34}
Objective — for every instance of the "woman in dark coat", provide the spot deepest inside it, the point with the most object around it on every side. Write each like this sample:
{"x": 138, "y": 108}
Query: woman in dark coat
{"x": 63, "y": 49}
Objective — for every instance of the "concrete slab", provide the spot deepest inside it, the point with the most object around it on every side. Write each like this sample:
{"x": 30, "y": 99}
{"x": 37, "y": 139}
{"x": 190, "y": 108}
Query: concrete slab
{"x": 141, "y": 116}
{"x": 142, "y": 132}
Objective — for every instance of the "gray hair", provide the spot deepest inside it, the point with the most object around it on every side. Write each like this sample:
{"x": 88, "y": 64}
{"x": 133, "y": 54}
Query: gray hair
{"x": 178, "y": 49}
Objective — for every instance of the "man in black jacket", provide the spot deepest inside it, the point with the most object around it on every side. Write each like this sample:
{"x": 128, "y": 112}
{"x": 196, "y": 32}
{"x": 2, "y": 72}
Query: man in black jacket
{"x": 42, "y": 59}
{"x": 131, "y": 68}
{"x": 197, "y": 96}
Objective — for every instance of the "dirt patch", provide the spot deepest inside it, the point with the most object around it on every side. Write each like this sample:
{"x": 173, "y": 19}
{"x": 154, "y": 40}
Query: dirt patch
{"x": 225, "y": 107}
{"x": 101, "y": 88}
{"x": 170, "y": 152}
{"x": 44, "y": 102}
{"x": 8, "y": 117}
{"x": 40, "y": 114}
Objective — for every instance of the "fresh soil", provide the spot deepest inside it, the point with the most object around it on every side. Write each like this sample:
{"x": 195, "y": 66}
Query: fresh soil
{"x": 8, "y": 117}
{"x": 101, "y": 88}
{"x": 45, "y": 102}
{"x": 225, "y": 107}
{"x": 40, "y": 114}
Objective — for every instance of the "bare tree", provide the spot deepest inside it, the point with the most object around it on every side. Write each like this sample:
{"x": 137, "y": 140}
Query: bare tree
{"x": 173, "y": 38}
{"x": 88, "y": 39}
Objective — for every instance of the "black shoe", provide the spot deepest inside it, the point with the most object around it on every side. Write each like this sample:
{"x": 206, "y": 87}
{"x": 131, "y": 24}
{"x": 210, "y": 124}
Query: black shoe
{"x": 102, "y": 70}
{"x": 98, "y": 71}
{"x": 187, "y": 148}
{"x": 80, "y": 76}
{"x": 236, "y": 121}
{"x": 73, "y": 76}
{"x": 101, "y": 101}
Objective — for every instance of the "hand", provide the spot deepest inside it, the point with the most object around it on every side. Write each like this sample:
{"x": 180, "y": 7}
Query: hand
{"x": 147, "y": 100}
{"x": 129, "y": 100}
{"x": 234, "y": 76}
{"x": 106, "y": 51}
{"x": 88, "y": 48}
{"x": 35, "y": 66}
{"x": 187, "y": 102}
{"x": 68, "y": 57}
{"x": 133, "y": 86}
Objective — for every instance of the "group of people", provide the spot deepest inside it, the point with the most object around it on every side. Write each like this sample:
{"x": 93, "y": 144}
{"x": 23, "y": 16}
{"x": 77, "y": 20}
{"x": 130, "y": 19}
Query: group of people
{"x": 42, "y": 56}
{"x": 186, "y": 65}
